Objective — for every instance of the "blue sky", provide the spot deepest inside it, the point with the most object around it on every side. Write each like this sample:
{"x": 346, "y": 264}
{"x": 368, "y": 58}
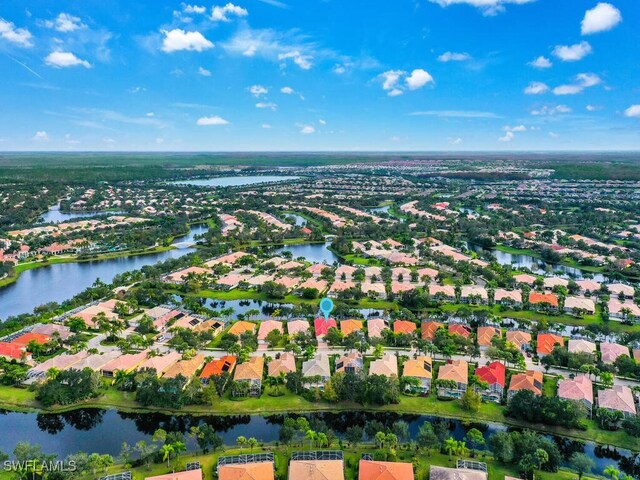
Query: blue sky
{"x": 320, "y": 75}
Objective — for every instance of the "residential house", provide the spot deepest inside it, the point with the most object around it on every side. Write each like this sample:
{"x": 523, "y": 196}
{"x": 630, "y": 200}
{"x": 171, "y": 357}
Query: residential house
{"x": 125, "y": 363}
{"x": 404, "y": 326}
{"x": 473, "y": 294}
{"x": 345, "y": 272}
{"x": 250, "y": 372}
{"x": 576, "y": 305}
{"x": 531, "y": 380}
{"x": 284, "y": 362}
{"x": 266, "y": 328}
{"x": 375, "y": 326}
{"x": 507, "y": 297}
{"x": 485, "y": 335}
{"x": 322, "y": 326}
{"x": 588, "y": 286}
{"x": 543, "y": 300}
{"x": 160, "y": 363}
{"x": 186, "y": 368}
{"x": 618, "y": 398}
{"x": 377, "y": 470}
{"x": 547, "y": 342}
{"x": 195, "y": 474}
{"x": 258, "y": 470}
{"x": 579, "y": 389}
{"x": 316, "y": 371}
{"x": 626, "y": 310}
{"x": 525, "y": 279}
{"x": 494, "y": 375}
{"x": 459, "y": 329}
{"x": 219, "y": 366}
{"x": 447, "y": 473}
{"x": 428, "y": 274}
{"x": 386, "y": 366}
{"x": 316, "y": 470}
{"x": 240, "y": 327}
{"x": 621, "y": 290}
{"x": 522, "y": 340}
{"x": 421, "y": 369}
{"x": 374, "y": 290}
{"x": 349, "y": 326}
{"x": 609, "y": 352}
{"x": 297, "y": 326}
{"x": 350, "y": 363}
{"x": 430, "y": 328}
{"x": 579, "y": 345}
{"x": 444, "y": 293}
{"x": 456, "y": 371}
{"x": 550, "y": 283}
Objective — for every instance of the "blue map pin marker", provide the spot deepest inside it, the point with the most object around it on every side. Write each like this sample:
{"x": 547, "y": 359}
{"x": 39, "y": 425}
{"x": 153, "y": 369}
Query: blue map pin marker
{"x": 326, "y": 305}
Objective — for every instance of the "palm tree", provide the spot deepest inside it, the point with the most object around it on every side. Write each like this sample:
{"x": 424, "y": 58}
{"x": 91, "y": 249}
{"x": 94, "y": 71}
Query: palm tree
{"x": 311, "y": 436}
{"x": 252, "y": 442}
{"x": 242, "y": 441}
{"x": 322, "y": 439}
{"x": 612, "y": 472}
{"x": 167, "y": 451}
{"x": 450, "y": 446}
{"x": 52, "y": 373}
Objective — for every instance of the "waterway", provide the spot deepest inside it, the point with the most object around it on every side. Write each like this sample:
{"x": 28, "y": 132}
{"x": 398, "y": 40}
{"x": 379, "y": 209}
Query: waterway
{"x": 103, "y": 431}
{"x": 54, "y": 215}
{"x": 235, "y": 181}
{"x": 61, "y": 281}
{"x": 312, "y": 252}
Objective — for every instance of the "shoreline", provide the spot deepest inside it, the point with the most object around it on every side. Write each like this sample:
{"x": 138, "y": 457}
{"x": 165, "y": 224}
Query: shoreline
{"x": 615, "y": 439}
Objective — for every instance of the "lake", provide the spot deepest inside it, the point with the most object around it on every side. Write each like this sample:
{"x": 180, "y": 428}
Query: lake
{"x": 238, "y": 181}
{"x": 103, "y": 431}
{"x": 54, "y": 215}
{"x": 312, "y": 252}
{"x": 61, "y": 281}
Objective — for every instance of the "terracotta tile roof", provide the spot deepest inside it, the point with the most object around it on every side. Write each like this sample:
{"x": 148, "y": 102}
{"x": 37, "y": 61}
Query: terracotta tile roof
{"x": 186, "y": 368}
{"x": 349, "y": 326}
{"x": 296, "y": 326}
{"x": 375, "y": 326}
{"x": 286, "y": 363}
{"x": 456, "y": 370}
{"x": 485, "y": 334}
{"x": 493, "y": 373}
{"x": 457, "y": 329}
{"x": 404, "y": 326}
{"x": 186, "y": 475}
{"x": 580, "y": 388}
{"x": 611, "y": 351}
{"x": 252, "y": 369}
{"x": 247, "y": 471}
{"x": 387, "y": 366}
{"x": 578, "y": 345}
{"x": 374, "y": 470}
{"x": 322, "y": 326}
{"x": 23, "y": 340}
{"x": 267, "y": 327}
{"x": 420, "y": 367}
{"x": 242, "y": 326}
{"x": 550, "y": 298}
{"x": 518, "y": 338}
{"x": 10, "y": 350}
{"x": 547, "y": 342}
{"x": 619, "y": 398}
{"x": 316, "y": 470}
{"x": 219, "y": 366}
{"x": 531, "y": 380}
{"x": 429, "y": 329}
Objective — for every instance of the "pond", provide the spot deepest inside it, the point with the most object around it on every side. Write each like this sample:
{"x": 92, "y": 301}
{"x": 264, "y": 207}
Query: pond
{"x": 241, "y": 307}
{"x": 103, "y": 431}
{"x": 384, "y": 209}
{"x": 536, "y": 265}
{"x": 238, "y": 181}
{"x": 300, "y": 221}
{"x": 54, "y": 215}
{"x": 61, "y": 281}
{"x": 312, "y": 252}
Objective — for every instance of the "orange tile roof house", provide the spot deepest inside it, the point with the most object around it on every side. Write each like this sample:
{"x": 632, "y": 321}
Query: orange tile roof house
{"x": 246, "y": 471}
{"x": 386, "y": 366}
{"x": 218, "y": 366}
{"x": 458, "y": 329}
{"x": 186, "y": 475}
{"x": 536, "y": 299}
{"x": 456, "y": 371}
{"x": 240, "y": 327}
{"x": 160, "y": 363}
{"x": 404, "y": 326}
{"x": 251, "y": 372}
{"x": 531, "y": 380}
{"x": 316, "y": 470}
{"x": 547, "y": 342}
{"x": 420, "y": 368}
{"x": 375, "y": 326}
{"x": 267, "y": 327}
{"x": 186, "y": 368}
{"x": 494, "y": 375}
{"x": 619, "y": 398}
{"x": 485, "y": 335}
{"x": 25, "y": 339}
{"x": 579, "y": 389}
{"x": 520, "y": 339}
{"x": 320, "y": 285}
{"x": 349, "y": 326}
{"x": 9, "y": 351}
{"x": 375, "y": 470}
{"x": 429, "y": 329}
{"x": 283, "y": 363}
{"x": 609, "y": 352}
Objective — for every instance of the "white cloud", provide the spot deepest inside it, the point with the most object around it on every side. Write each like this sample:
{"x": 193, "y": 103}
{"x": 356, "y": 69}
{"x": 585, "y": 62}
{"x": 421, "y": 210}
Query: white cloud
{"x": 572, "y": 53}
{"x": 633, "y": 111}
{"x": 508, "y": 137}
{"x": 307, "y": 129}
{"x": 454, "y": 57}
{"x": 178, "y": 39}
{"x": 213, "y": 120}
{"x": 266, "y": 126}
{"x": 322, "y": 122}
{"x": 151, "y": 114}
{"x": 536, "y": 88}
{"x": 159, "y": 140}
{"x": 258, "y": 90}
{"x": 455, "y": 141}
{"x": 582, "y": 81}
{"x": 418, "y": 79}
{"x": 541, "y": 62}
{"x": 600, "y": 18}
{"x": 193, "y": 9}
{"x": 19, "y": 36}
{"x": 303, "y": 61}
{"x": 339, "y": 69}
{"x": 391, "y": 80}
{"x": 65, "y": 22}
{"x": 222, "y": 14}
{"x": 287, "y": 90}
{"x": 270, "y": 105}
{"x": 204, "y": 72}
{"x": 60, "y": 59}
{"x": 488, "y": 7}
{"x": 554, "y": 134}
{"x": 593, "y": 108}
{"x": 517, "y": 128}
{"x": 41, "y": 136}
{"x": 551, "y": 110}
